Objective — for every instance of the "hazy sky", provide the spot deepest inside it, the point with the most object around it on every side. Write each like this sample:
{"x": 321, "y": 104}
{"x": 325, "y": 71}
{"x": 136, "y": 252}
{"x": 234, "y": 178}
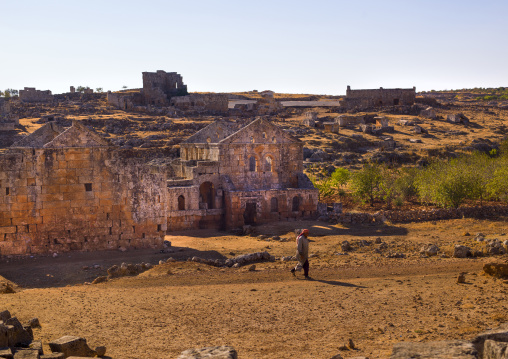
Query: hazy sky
{"x": 286, "y": 46}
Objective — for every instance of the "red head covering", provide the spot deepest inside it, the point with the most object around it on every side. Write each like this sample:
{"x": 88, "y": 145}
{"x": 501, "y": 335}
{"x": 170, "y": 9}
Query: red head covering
{"x": 305, "y": 231}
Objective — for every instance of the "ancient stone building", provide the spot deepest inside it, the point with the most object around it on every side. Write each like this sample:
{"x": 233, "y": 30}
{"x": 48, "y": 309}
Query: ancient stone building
{"x": 30, "y": 94}
{"x": 8, "y": 121}
{"x": 363, "y": 99}
{"x": 67, "y": 189}
{"x": 231, "y": 174}
{"x": 159, "y": 87}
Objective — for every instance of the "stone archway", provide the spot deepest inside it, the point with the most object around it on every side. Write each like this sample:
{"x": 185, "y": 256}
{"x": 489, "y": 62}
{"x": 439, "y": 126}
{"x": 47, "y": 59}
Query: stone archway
{"x": 207, "y": 194}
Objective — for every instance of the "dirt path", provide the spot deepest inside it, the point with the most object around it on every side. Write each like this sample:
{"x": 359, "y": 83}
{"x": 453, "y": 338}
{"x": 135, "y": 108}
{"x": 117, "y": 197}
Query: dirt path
{"x": 267, "y": 313}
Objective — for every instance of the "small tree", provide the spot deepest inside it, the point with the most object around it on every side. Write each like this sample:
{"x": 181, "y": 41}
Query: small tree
{"x": 80, "y": 88}
{"x": 99, "y": 89}
{"x": 365, "y": 183}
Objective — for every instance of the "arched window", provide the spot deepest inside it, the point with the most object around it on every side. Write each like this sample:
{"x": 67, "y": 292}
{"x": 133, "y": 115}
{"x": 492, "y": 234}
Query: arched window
{"x": 296, "y": 203}
{"x": 207, "y": 194}
{"x": 181, "y": 203}
{"x": 268, "y": 164}
{"x": 274, "y": 205}
{"x": 252, "y": 164}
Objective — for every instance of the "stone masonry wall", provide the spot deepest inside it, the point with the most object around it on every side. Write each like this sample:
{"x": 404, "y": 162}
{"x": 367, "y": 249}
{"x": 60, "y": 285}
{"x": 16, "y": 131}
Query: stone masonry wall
{"x": 281, "y": 173}
{"x": 30, "y": 94}
{"x": 379, "y": 97}
{"x": 305, "y": 205}
{"x": 61, "y": 199}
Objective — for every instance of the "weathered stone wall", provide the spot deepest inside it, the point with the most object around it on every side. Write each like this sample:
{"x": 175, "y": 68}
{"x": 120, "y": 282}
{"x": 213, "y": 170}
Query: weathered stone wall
{"x": 286, "y": 208}
{"x": 361, "y": 99}
{"x": 30, "y": 94}
{"x": 209, "y": 103}
{"x": 160, "y": 86}
{"x": 61, "y": 199}
{"x": 8, "y": 121}
{"x": 421, "y": 215}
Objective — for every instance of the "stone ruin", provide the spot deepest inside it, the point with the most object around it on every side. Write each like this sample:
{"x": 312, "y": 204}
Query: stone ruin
{"x": 30, "y": 94}
{"x": 350, "y": 120}
{"x": 166, "y": 89}
{"x": 457, "y": 118}
{"x": 67, "y": 189}
{"x": 364, "y": 99}
{"x": 310, "y": 118}
{"x": 232, "y": 174}
{"x": 8, "y": 122}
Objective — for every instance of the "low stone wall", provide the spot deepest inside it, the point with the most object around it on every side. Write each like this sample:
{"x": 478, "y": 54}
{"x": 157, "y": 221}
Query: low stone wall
{"x": 421, "y": 215}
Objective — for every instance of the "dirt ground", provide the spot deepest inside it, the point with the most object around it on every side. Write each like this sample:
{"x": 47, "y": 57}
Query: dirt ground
{"x": 268, "y": 313}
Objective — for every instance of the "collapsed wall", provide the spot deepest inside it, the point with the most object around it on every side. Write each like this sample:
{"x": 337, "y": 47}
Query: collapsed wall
{"x": 77, "y": 193}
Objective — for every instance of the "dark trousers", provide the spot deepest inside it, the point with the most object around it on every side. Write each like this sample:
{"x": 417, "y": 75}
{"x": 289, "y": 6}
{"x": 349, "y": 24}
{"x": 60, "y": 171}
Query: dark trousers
{"x": 306, "y": 267}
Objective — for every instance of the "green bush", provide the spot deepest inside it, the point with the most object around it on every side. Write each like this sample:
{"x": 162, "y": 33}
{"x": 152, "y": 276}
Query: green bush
{"x": 366, "y": 183}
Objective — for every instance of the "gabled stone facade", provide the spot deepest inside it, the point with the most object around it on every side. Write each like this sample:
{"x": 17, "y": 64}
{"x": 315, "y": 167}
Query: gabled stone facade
{"x": 67, "y": 189}
{"x": 239, "y": 174}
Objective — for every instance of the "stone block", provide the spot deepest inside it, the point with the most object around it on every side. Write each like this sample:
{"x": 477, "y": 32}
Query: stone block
{"x": 6, "y": 353}
{"x": 4, "y": 336}
{"x": 27, "y": 354}
{"x": 499, "y": 334}
{"x": 17, "y": 334}
{"x": 453, "y": 349}
{"x": 53, "y": 356}
{"x": 71, "y": 346}
{"x": 222, "y": 352}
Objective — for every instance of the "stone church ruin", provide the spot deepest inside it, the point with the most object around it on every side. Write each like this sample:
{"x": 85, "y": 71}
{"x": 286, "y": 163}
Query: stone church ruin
{"x": 166, "y": 89}
{"x": 65, "y": 189}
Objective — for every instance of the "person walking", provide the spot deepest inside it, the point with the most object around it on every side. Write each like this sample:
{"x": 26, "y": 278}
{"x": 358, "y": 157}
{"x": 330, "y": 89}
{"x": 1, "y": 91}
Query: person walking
{"x": 302, "y": 255}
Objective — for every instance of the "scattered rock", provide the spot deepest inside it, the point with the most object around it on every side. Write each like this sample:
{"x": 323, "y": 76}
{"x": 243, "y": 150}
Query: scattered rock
{"x": 71, "y": 346}
{"x": 222, "y": 352}
{"x": 100, "y": 279}
{"x": 34, "y": 323}
{"x": 6, "y": 288}
{"x": 378, "y": 240}
{"x": 351, "y": 344}
{"x": 497, "y": 269}
{"x": 430, "y": 250}
{"x": 461, "y": 251}
{"x": 101, "y": 351}
{"x": 452, "y": 349}
{"x": 346, "y": 247}
{"x": 252, "y": 268}
{"x": 461, "y": 278}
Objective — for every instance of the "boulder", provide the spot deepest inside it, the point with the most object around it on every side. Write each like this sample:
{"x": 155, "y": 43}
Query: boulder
{"x": 496, "y": 268}
{"x": 345, "y": 246}
{"x": 5, "y": 315}
{"x": 495, "y": 350}
{"x": 71, "y": 345}
{"x": 34, "y": 323}
{"x": 461, "y": 251}
{"x": 100, "y": 279}
{"x": 430, "y": 250}
{"x": 101, "y": 351}
{"x": 37, "y": 345}
{"x": 449, "y": 349}
{"x": 222, "y": 352}
{"x": 499, "y": 334}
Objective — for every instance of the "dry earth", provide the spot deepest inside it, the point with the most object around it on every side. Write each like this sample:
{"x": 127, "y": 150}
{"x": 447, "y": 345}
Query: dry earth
{"x": 267, "y": 313}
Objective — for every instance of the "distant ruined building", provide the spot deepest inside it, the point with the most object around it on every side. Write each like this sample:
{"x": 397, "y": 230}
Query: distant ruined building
{"x": 166, "y": 89}
{"x": 363, "y": 99}
{"x": 67, "y": 189}
{"x": 30, "y": 94}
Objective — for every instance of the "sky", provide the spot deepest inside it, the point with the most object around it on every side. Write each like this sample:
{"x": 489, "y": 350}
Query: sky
{"x": 295, "y": 46}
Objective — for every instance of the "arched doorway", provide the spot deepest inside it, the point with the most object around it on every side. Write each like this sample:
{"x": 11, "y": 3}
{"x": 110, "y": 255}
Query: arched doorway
{"x": 207, "y": 194}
